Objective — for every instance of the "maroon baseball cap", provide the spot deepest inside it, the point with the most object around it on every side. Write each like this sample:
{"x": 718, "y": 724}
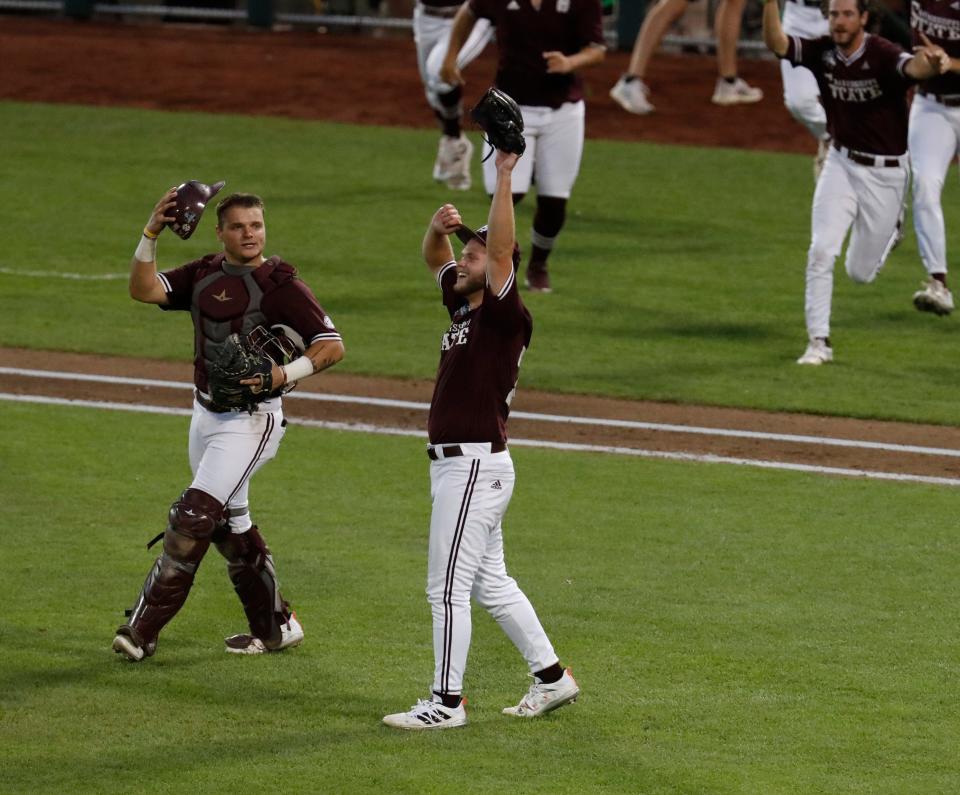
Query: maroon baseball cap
{"x": 466, "y": 234}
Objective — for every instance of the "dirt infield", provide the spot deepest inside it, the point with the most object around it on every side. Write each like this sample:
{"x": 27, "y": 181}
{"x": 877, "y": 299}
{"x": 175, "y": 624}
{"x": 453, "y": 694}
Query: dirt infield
{"x": 373, "y": 80}
{"x": 350, "y": 78}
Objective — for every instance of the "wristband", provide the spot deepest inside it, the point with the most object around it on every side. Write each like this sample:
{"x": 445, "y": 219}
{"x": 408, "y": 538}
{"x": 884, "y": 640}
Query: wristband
{"x": 297, "y": 369}
{"x": 146, "y": 249}
{"x": 151, "y": 235}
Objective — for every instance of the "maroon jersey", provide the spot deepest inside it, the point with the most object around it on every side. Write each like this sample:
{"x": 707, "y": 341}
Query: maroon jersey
{"x": 939, "y": 20}
{"x": 864, "y": 95}
{"x": 227, "y": 299}
{"x": 524, "y": 34}
{"x": 479, "y": 364}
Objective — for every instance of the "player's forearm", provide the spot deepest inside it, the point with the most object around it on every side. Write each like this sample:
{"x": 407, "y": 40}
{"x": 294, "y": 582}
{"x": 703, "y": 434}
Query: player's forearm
{"x": 773, "y": 35}
{"x": 463, "y": 24}
{"x": 436, "y": 249}
{"x": 143, "y": 284}
{"x": 588, "y": 56}
{"x": 324, "y": 354}
{"x": 919, "y": 68}
{"x": 501, "y": 226}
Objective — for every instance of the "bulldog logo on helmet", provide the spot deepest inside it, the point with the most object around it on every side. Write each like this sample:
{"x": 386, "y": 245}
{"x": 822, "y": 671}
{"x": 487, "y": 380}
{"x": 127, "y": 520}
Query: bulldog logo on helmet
{"x": 192, "y": 198}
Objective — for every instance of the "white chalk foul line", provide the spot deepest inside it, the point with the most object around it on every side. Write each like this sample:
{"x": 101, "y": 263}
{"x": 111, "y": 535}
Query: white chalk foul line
{"x": 359, "y": 427}
{"x": 82, "y": 277}
{"x": 825, "y": 441}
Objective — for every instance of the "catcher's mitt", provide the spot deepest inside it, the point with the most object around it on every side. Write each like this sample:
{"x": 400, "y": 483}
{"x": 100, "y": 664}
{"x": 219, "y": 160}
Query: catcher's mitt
{"x": 237, "y": 360}
{"x": 499, "y": 117}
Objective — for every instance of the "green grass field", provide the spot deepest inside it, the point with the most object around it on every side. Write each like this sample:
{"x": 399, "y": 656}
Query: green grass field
{"x": 730, "y": 633}
{"x": 734, "y": 630}
{"x": 679, "y": 276}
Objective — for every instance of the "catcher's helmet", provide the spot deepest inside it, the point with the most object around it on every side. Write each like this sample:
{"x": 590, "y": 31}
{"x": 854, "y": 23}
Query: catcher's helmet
{"x": 466, "y": 234}
{"x": 192, "y": 197}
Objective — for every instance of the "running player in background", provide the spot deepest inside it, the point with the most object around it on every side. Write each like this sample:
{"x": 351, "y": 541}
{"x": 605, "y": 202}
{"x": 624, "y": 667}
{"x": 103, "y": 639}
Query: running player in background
{"x": 541, "y": 45}
{"x": 801, "y": 94}
{"x": 632, "y": 93}
{"x": 863, "y": 81}
{"x": 471, "y": 471}
{"x": 933, "y": 142}
{"x": 432, "y": 22}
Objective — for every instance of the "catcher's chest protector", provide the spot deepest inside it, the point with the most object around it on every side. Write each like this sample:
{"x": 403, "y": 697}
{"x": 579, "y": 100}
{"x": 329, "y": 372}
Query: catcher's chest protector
{"x": 227, "y": 301}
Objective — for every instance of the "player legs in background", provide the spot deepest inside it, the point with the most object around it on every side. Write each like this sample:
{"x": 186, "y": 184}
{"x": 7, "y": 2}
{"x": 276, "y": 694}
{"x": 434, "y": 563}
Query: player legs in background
{"x": 432, "y": 37}
{"x": 631, "y": 91}
{"x": 801, "y": 94}
{"x": 554, "y": 150}
{"x": 933, "y": 140}
{"x": 870, "y": 200}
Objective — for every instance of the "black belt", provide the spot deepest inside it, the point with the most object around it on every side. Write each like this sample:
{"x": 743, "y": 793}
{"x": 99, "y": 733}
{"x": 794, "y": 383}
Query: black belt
{"x": 454, "y": 450}
{"x": 809, "y": 3}
{"x": 877, "y": 161}
{"x": 209, "y": 405}
{"x": 444, "y": 12}
{"x": 948, "y": 100}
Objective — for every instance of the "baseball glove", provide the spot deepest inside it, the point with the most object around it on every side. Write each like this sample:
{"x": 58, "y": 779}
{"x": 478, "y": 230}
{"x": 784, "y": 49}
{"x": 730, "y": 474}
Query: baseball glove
{"x": 499, "y": 117}
{"x": 236, "y": 361}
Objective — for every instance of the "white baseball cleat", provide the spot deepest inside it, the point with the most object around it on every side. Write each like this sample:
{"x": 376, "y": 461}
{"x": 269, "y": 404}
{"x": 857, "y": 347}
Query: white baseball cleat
{"x": 458, "y": 168}
{"x": 817, "y": 352}
{"x": 739, "y": 92}
{"x": 291, "y": 634}
{"x": 542, "y": 698}
{"x": 428, "y": 714}
{"x": 934, "y": 297}
{"x": 632, "y": 96}
{"x": 123, "y": 644}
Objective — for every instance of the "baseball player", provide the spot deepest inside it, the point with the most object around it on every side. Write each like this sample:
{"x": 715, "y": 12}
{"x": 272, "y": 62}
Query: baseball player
{"x": 471, "y": 472}
{"x": 863, "y": 82}
{"x": 632, "y": 93}
{"x": 801, "y": 94}
{"x": 933, "y": 140}
{"x": 233, "y": 291}
{"x": 541, "y": 44}
{"x": 432, "y": 22}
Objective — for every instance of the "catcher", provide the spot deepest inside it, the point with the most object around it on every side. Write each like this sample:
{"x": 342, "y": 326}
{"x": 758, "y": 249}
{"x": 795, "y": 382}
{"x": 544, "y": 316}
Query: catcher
{"x": 240, "y": 371}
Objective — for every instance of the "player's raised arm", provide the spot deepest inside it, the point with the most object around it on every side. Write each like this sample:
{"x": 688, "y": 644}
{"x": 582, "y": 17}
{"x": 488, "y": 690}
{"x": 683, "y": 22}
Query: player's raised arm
{"x": 928, "y": 61}
{"x": 501, "y": 226}
{"x": 144, "y": 285}
{"x": 463, "y": 24}
{"x": 773, "y": 35}
{"x": 437, "y": 250}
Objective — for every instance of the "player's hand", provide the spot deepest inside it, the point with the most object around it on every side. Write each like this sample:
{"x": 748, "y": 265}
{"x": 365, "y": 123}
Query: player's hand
{"x": 557, "y": 63}
{"x": 446, "y": 220}
{"x": 506, "y": 161}
{"x": 162, "y": 212}
{"x": 450, "y": 74}
{"x": 934, "y": 55}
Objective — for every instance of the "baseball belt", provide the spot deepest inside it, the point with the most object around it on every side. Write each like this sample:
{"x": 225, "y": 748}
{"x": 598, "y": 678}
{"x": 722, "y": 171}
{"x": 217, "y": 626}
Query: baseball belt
{"x": 947, "y": 100}
{"x": 444, "y": 12}
{"x": 865, "y": 159}
{"x": 438, "y": 451}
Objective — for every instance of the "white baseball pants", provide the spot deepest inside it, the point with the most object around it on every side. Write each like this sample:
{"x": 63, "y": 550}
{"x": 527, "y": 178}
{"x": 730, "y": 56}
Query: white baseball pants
{"x": 554, "y": 150}
{"x": 801, "y": 94}
{"x": 432, "y": 38}
{"x": 227, "y": 449}
{"x": 870, "y": 200}
{"x": 934, "y": 139}
{"x": 470, "y": 496}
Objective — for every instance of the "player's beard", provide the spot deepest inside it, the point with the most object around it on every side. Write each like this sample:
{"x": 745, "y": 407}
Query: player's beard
{"x": 844, "y": 38}
{"x": 471, "y": 284}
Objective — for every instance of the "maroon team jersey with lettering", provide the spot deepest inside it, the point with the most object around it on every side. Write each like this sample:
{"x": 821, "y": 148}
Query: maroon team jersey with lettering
{"x": 939, "y": 20}
{"x": 224, "y": 301}
{"x": 865, "y": 95}
{"x": 479, "y": 364}
{"x": 525, "y": 33}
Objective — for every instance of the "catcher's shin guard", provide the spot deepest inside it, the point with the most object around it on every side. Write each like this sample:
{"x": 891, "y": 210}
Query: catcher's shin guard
{"x": 254, "y": 578}
{"x": 193, "y": 520}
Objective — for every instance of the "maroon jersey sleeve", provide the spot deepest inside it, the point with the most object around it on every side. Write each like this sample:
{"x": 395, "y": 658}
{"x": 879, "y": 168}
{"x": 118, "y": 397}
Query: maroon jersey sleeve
{"x": 295, "y": 305}
{"x": 178, "y": 284}
{"x": 891, "y": 57}
{"x": 482, "y": 9}
{"x": 590, "y": 24}
{"x": 806, "y": 52}
{"x": 504, "y": 310}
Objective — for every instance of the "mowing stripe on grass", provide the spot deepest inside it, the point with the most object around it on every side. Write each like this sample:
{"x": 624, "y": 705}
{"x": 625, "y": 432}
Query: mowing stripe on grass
{"x": 83, "y": 277}
{"x": 539, "y": 443}
{"x": 827, "y": 441}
